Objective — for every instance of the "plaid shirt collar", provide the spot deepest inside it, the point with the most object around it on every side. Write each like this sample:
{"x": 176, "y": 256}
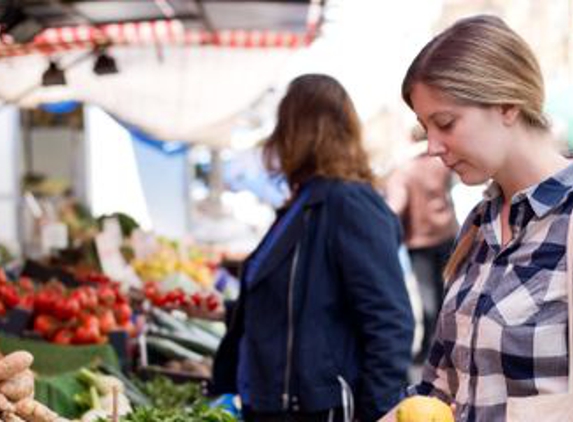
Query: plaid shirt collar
{"x": 543, "y": 197}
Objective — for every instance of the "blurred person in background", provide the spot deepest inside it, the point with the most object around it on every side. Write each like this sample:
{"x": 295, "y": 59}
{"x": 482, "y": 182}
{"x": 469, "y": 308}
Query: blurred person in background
{"x": 323, "y": 321}
{"x": 500, "y": 347}
{"x": 419, "y": 192}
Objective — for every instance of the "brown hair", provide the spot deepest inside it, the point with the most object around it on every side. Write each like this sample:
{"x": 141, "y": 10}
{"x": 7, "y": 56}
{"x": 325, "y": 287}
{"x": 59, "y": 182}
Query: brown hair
{"x": 317, "y": 133}
{"x": 480, "y": 61}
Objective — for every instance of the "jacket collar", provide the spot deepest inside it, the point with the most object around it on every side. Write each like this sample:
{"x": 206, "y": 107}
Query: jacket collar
{"x": 293, "y": 233}
{"x": 319, "y": 189}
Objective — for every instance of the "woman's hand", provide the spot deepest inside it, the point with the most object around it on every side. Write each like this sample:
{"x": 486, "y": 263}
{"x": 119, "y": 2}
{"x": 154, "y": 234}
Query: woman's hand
{"x": 390, "y": 416}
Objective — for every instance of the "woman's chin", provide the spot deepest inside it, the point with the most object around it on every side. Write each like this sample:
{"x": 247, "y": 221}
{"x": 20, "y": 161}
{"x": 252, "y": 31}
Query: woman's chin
{"x": 472, "y": 178}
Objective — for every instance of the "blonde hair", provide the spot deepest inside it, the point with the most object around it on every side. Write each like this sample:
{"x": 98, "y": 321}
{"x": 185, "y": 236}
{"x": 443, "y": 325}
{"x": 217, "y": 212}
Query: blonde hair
{"x": 480, "y": 61}
{"x": 460, "y": 253}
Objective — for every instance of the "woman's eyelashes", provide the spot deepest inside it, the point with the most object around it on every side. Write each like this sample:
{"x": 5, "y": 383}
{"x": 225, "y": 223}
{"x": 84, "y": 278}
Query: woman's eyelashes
{"x": 445, "y": 125}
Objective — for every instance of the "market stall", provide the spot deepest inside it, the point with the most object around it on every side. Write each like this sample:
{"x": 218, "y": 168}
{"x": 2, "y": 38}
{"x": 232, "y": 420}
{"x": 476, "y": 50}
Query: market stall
{"x": 89, "y": 308}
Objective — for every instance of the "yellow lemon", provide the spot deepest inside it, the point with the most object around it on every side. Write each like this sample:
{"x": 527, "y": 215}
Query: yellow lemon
{"x": 424, "y": 409}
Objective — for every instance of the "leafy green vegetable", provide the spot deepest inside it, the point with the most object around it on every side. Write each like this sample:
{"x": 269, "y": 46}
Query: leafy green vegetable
{"x": 126, "y": 222}
{"x": 201, "y": 412}
{"x": 5, "y": 255}
{"x": 165, "y": 394}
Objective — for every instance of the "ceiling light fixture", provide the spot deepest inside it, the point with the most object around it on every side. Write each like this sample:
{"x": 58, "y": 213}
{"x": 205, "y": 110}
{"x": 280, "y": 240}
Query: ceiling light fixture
{"x": 105, "y": 64}
{"x": 53, "y": 75}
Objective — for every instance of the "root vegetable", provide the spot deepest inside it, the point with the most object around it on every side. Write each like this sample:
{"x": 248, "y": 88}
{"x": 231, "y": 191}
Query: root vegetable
{"x": 11, "y": 417}
{"x": 15, "y": 363}
{"x": 18, "y": 387}
{"x": 5, "y": 405}
{"x": 33, "y": 411}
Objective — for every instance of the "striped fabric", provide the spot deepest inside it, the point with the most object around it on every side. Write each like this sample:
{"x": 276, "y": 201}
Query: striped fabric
{"x": 502, "y": 331}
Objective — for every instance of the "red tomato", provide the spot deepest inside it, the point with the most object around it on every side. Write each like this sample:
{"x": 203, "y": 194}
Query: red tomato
{"x": 160, "y": 300}
{"x": 106, "y": 295}
{"x": 45, "y": 325}
{"x": 107, "y": 321}
{"x": 212, "y": 302}
{"x": 44, "y": 302}
{"x": 56, "y": 287}
{"x": 86, "y": 334}
{"x": 196, "y": 299}
{"x": 89, "y": 320}
{"x": 121, "y": 299}
{"x": 150, "y": 288}
{"x": 175, "y": 297}
{"x": 63, "y": 336}
{"x": 122, "y": 312}
{"x": 9, "y": 295}
{"x": 26, "y": 284}
{"x": 91, "y": 300}
{"x": 67, "y": 308}
{"x": 130, "y": 328}
{"x": 27, "y": 302}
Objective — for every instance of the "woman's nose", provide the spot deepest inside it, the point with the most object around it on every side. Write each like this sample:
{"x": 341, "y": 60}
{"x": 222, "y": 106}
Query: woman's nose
{"x": 436, "y": 147}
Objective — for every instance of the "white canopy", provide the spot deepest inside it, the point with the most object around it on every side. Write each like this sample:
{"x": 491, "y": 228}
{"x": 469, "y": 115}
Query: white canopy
{"x": 201, "y": 94}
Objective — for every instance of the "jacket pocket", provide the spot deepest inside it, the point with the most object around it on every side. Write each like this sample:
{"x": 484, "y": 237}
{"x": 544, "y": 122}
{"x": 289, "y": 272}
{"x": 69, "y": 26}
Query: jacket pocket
{"x": 317, "y": 366}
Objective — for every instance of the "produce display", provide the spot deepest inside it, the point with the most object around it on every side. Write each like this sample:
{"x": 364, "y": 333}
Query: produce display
{"x": 199, "y": 412}
{"x": 177, "y": 297}
{"x": 176, "y": 403}
{"x": 424, "y": 409}
{"x": 187, "y": 345}
{"x": 172, "y": 258}
{"x": 66, "y": 302}
{"x": 165, "y": 394}
{"x": 105, "y": 396}
{"x": 83, "y": 315}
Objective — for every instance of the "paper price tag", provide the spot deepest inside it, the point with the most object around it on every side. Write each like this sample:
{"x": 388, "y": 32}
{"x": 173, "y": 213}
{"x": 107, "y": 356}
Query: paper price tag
{"x": 112, "y": 228}
{"x": 110, "y": 258}
{"x": 54, "y": 236}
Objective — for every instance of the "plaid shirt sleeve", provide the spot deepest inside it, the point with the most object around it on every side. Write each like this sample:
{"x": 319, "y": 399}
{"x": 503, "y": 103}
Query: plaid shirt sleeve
{"x": 439, "y": 374}
{"x": 435, "y": 374}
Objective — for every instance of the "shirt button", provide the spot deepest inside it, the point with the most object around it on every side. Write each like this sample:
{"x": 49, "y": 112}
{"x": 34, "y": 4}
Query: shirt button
{"x": 295, "y": 407}
{"x": 294, "y": 399}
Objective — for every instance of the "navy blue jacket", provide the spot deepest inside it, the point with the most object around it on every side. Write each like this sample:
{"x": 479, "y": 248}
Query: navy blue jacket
{"x": 329, "y": 302}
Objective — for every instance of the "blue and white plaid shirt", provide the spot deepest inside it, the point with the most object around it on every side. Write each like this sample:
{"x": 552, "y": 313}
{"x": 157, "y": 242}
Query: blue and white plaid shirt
{"x": 502, "y": 331}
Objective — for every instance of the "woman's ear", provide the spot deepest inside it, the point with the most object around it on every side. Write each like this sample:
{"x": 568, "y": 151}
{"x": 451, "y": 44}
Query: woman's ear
{"x": 509, "y": 114}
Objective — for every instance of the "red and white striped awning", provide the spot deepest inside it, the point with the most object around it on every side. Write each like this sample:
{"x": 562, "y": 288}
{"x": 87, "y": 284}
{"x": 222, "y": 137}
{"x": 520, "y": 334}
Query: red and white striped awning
{"x": 170, "y": 32}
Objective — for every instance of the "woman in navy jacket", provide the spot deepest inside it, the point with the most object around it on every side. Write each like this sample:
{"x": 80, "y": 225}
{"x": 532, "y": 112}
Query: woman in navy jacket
{"x": 323, "y": 316}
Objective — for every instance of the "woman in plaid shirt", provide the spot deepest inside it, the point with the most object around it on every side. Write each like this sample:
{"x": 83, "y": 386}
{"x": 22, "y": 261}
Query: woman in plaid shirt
{"x": 502, "y": 333}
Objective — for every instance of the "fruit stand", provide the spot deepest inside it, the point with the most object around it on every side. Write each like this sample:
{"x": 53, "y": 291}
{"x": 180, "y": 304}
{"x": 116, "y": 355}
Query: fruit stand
{"x": 76, "y": 325}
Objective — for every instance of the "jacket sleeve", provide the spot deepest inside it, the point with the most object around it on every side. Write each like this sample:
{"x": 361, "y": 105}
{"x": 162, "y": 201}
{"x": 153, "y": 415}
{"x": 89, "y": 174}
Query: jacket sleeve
{"x": 366, "y": 241}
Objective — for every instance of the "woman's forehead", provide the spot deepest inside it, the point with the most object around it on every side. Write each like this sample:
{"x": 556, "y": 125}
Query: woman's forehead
{"x": 427, "y": 100}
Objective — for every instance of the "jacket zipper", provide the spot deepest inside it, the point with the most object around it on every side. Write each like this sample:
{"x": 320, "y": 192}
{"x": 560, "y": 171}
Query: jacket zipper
{"x": 290, "y": 332}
